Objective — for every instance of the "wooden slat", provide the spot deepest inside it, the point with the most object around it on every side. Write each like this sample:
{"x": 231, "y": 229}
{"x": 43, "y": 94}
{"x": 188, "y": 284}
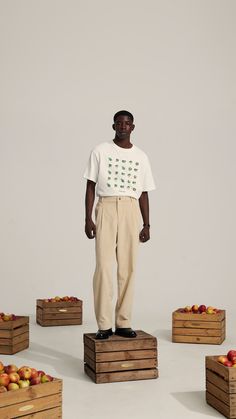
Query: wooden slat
{"x": 54, "y": 413}
{"x": 218, "y": 393}
{"x": 197, "y": 332}
{"x": 20, "y": 338}
{"x": 12, "y": 324}
{"x": 20, "y": 330}
{"x": 20, "y": 346}
{"x": 220, "y": 406}
{"x": 229, "y": 374}
{"x": 61, "y": 316}
{"x": 197, "y": 324}
{"x": 120, "y": 355}
{"x": 62, "y": 304}
{"x": 62, "y": 322}
{"x": 176, "y": 315}
{"x": 125, "y": 365}
{"x": 121, "y": 376}
{"x": 118, "y": 343}
{"x": 227, "y": 386}
{"x": 30, "y": 393}
{"x": 36, "y": 405}
{"x": 198, "y": 339}
{"x": 59, "y": 310}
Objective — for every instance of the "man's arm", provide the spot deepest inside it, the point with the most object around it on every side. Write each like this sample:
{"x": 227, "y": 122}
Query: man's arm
{"x": 90, "y": 228}
{"x": 144, "y": 234}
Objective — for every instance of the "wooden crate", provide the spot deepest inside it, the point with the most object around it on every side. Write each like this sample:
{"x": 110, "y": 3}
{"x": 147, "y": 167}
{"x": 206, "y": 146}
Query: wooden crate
{"x": 39, "y": 401}
{"x": 120, "y": 359}
{"x": 221, "y": 387}
{"x": 61, "y": 313}
{"x": 198, "y": 328}
{"x": 14, "y": 335}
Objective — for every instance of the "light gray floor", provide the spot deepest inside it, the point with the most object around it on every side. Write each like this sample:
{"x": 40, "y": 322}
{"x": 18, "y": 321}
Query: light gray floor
{"x": 178, "y": 392}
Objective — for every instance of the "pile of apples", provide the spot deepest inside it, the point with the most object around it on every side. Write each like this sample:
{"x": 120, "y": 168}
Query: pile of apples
{"x": 6, "y": 317}
{"x": 228, "y": 360}
{"x": 13, "y": 378}
{"x": 60, "y": 299}
{"x": 199, "y": 309}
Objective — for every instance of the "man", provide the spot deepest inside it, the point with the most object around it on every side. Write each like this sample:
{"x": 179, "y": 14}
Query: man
{"x": 121, "y": 173}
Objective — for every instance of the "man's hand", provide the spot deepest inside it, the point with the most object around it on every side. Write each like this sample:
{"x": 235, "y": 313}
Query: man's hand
{"x": 144, "y": 234}
{"x": 90, "y": 229}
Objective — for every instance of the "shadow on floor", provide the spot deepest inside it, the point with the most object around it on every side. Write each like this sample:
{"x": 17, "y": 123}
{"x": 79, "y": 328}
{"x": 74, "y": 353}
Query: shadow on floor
{"x": 195, "y": 401}
{"x": 64, "y": 364}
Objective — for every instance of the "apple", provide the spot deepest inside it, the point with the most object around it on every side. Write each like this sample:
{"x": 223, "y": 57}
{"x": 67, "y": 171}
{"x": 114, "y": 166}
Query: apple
{"x": 1, "y": 367}
{"x": 34, "y": 373}
{"x": 4, "y": 379}
{"x": 228, "y": 363}
{"x": 35, "y": 380}
{"x": 210, "y": 310}
{"x": 11, "y": 368}
{"x": 3, "y": 389}
{"x": 46, "y": 378}
{"x": 24, "y": 373}
{"x": 13, "y": 386}
{"x": 187, "y": 309}
{"x": 202, "y": 308}
{"x": 24, "y": 383}
{"x": 195, "y": 308}
{"x": 14, "y": 377}
{"x": 222, "y": 359}
{"x": 7, "y": 317}
{"x": 40, "y": 373}
{"x": 231, "y": 355}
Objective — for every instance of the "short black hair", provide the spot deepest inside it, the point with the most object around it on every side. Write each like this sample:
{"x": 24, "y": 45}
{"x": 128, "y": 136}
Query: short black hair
{"x": 126, "y": 113}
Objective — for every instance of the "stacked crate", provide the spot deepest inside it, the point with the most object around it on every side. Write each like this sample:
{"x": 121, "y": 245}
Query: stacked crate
{"x": 120, "y": 359}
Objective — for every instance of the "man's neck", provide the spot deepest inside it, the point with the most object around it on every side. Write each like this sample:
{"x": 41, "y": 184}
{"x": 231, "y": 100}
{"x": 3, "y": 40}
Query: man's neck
{"x": 123, "y": 143}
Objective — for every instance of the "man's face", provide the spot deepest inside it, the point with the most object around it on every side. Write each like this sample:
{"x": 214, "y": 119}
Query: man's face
{"x": 123, "y": 126}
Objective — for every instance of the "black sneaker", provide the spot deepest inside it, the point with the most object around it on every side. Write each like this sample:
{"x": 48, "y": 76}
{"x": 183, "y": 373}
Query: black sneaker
{"x": 126, "y": 332}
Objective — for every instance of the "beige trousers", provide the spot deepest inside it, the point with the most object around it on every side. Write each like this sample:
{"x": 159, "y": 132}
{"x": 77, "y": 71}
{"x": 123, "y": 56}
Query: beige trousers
{"x": 117, "y": 238}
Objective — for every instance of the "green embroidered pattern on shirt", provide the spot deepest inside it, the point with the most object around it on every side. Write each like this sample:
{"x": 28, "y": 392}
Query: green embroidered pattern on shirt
{"x": 120, "y": 170}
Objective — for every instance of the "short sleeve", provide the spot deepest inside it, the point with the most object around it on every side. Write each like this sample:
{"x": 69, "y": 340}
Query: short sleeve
{"x": 148, "y": 183}
{"x": 91, "y": 171}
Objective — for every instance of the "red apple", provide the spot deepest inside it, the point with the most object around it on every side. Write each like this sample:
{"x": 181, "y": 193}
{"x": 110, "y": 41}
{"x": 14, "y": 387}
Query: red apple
{"x": 202, "y": 308}
{"x": 14, "y": 377}
{"x": 24, "y": 373}
{"x": 3, "y": 389}
{"x": 228, "y": 363}
{"x": 40, "y": 373}
{"x": 13, "y": 386}
{"x": 35, "y": 380}
{"x": 11, "y": 368}
{"x": 231, "y": 355}
{"x": 46, "y": 378}
{"x": 34, "y": 373}
{"x": 4, "y": 379}
{"x": 195, "y": 308}
{"x": 24, "y": 383}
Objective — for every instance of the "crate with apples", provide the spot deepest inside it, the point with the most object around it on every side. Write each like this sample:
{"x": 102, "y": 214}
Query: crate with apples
{"x": 198, "y": 324}
{"x": 119, "y": 358}
{"x": 221, "y": 383}
{"x": 14, "y": 333}
{"x": 27, "y": 392}
{"x": 59, "y": 311}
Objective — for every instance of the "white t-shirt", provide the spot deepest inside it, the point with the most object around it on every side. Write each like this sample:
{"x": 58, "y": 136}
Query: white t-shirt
{"x": 119, "y": 171}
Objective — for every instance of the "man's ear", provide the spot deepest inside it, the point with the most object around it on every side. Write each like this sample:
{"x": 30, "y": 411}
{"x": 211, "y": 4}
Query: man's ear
{"x": 113, "y": 126}
{"x": 133, "y": 126}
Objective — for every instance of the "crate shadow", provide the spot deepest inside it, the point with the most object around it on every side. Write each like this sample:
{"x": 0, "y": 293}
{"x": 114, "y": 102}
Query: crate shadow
{"x": 64, "y": 364}
{"x": 195, "y": 401}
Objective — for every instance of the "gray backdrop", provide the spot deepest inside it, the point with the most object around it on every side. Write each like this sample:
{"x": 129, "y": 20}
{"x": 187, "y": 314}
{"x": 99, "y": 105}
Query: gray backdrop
{"x": 66, "y": 68}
